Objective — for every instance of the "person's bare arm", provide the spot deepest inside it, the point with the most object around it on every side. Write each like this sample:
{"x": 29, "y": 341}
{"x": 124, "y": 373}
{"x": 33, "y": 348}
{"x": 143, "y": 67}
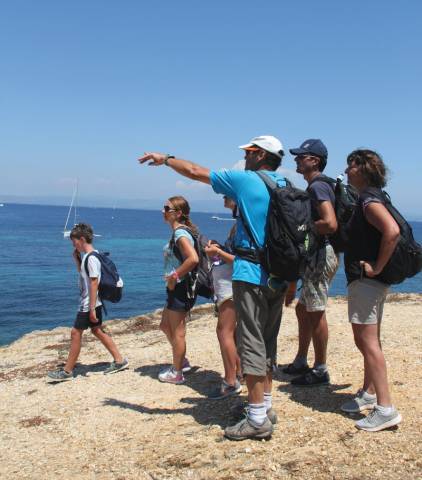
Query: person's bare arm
{"x": 290, "y": 293}
{"x": 183, "y": 167}
{"x": 77, "y": 257}
{"x": 93, "y": 291}
{"x": 190, "y": 261}
{"x": 212, "y": 250}
{"x": 379, "y": 217}
{"x": 327, "y": 224}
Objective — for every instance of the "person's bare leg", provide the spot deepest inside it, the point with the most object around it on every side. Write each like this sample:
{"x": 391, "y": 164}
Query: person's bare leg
{"x": 368, "y": 385}
{"x": 319, "y": 327}
{"x": 305, "y": 330}
{"x": 226, "y": 327}
{"x": 164, "y": 325}
{"x": 268, "y": 382}
{"x": 374, "y": 361}
{"x": 177, "y": 324}
{"x": 255, "y": 386}
{"x": 108, "y": 342}
{"x": 75, "y": 349}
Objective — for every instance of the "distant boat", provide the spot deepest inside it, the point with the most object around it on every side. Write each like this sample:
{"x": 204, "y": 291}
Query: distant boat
{"x": 1, "y": 204}
{"x": 214, "y": 217}
{"x": 73, "y": 205}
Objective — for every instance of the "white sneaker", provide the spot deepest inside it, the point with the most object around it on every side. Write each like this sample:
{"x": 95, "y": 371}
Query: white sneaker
{"x": 376, "y": 421}
{"x": 171, "y": 375}
{"x": 362, "y": 401}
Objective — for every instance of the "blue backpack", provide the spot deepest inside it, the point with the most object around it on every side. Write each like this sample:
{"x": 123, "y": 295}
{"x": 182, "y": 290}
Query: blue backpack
{"x": 111, "y": 285}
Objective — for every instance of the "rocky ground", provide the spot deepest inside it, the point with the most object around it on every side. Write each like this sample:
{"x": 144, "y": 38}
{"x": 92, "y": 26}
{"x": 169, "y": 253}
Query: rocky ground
{"x": 130, "y": 426}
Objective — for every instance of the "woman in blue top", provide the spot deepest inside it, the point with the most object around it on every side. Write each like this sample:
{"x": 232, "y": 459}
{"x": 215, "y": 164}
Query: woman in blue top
{"x": 180, "y": 258}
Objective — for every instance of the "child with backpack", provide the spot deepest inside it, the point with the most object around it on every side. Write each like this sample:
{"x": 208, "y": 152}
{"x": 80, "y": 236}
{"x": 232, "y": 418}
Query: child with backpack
{"x": 89, "y": 313}
{"x": 180, "y": 262}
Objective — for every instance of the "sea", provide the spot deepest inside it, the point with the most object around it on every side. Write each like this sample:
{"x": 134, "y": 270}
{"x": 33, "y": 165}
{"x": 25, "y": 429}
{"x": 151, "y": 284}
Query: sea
{"x": 38, "y": 278}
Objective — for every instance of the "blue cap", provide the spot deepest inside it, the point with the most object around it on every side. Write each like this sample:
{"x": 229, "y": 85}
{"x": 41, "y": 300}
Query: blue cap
{"x": 312, "y": 146}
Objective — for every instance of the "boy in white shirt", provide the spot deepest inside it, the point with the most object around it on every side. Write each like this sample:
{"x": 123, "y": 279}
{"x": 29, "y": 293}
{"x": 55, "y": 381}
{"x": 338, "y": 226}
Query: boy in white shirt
{"x": 89, "y": 313}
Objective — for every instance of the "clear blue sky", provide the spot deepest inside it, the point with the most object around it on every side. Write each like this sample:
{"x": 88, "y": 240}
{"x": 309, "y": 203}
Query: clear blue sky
{"x": 87, "y": 86}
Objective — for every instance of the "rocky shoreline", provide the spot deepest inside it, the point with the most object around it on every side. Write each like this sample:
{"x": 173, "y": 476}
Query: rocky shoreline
{"x": 129, "y": 425}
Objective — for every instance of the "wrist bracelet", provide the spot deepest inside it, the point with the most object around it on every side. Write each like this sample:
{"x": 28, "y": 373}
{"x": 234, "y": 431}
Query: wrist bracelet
{"x": 175, "y": 276}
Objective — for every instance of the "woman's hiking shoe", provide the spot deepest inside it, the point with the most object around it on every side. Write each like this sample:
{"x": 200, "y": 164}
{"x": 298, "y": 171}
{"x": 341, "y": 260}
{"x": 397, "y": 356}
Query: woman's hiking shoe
{"x": 171, "y": 375}
{"x": 376, "y": 421}
{"x": 312, "y": 378}
{"x": 186, "y": 366}
{"x": 225, "y": 390}
{"x": 362, "y": 401}
{"x": 240, "y": 411}
{"x": 291, "y": 369}
{"x": 116, "y": 367}
{"x": 246, "y": 428}
{"x": 60, "y": 375}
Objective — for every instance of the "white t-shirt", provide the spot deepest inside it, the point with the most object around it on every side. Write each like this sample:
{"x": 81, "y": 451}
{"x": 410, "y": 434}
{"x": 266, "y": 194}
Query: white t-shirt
{"x": 94, "y": 269}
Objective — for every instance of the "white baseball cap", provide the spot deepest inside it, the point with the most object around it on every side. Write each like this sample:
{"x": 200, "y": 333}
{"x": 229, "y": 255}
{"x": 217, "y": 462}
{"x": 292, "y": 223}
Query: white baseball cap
{"x": 267, "y": 143}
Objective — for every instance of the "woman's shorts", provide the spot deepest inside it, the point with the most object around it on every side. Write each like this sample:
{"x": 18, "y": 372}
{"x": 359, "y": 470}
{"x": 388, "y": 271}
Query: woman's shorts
{"x": 365, "y": 301}
{"x": 177, "y": 299}
{"x": 222, "y": 281}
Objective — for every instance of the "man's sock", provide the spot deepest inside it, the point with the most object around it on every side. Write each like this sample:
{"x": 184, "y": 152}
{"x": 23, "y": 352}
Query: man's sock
{"x": 268, "y": 401}
{"x": 321, "y": 368}
{"x": 300, "y": 361}
{"x": 257, "y": 413}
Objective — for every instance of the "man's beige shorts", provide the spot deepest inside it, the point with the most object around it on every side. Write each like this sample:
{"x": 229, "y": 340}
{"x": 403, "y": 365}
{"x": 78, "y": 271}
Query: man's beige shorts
{"x": 366, "y": 299}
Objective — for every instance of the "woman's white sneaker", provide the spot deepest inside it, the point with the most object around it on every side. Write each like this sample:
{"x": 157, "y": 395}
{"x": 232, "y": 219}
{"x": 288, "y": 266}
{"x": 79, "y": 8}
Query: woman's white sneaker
{"x": 376, "y": 420}
{"x": 362, "y": 401}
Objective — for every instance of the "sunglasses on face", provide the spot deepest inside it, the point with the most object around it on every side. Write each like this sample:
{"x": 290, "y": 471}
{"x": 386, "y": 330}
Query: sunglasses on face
{"x": 168, "y": 209}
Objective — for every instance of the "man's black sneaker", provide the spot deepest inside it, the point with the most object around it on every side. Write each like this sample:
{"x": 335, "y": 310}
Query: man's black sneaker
{"x": 291, "y": 369}
{"x": 312, "y": 378}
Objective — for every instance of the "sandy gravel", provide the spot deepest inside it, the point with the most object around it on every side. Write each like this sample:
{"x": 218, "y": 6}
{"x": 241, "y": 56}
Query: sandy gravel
{"x": 130, "y": 426}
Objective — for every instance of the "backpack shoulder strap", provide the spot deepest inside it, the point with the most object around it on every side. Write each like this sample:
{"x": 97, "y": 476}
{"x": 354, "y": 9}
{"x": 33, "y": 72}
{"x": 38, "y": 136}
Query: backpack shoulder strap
{"x": 176, "y": 249}
{"x": 323, "y": 178}
{"x": 94, "y": 254}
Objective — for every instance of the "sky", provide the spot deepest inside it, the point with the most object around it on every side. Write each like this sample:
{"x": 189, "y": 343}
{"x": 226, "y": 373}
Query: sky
{"x": 87, "y": 86}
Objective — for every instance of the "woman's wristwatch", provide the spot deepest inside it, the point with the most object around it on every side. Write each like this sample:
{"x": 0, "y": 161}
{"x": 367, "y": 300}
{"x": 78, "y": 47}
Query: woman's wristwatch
{"x": 166, "y": 160}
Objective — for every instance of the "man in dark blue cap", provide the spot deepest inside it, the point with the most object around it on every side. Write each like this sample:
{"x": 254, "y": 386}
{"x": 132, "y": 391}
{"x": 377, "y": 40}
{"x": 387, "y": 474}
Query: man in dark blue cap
{"x": 311, "y": 159}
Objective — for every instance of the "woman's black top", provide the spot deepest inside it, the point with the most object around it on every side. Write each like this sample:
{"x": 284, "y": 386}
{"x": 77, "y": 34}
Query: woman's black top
{"x": 364, "y": 239}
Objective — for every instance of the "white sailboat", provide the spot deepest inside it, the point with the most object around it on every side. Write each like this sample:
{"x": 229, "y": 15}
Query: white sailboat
{"x": 73, "y": 204}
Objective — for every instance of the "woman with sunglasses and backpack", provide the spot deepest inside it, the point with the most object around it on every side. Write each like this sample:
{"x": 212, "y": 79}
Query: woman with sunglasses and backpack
{"x": 373, "y": 236}
{"x": 180, "y": 258}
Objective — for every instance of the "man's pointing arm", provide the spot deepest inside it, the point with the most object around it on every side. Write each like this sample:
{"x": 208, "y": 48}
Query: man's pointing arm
{"x": 183, "y": 167}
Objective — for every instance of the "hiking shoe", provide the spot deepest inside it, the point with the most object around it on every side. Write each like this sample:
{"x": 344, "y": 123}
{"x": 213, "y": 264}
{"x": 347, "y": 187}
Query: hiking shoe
{"x": 241, "y": 411}
{"x": 311, "y": 379}
{"x": 225, "y": 390}
{"x": 171, "y": 375}
{"x": 376, "y": 421}
{"x": 60, "y": 375}
{"x": 291, "y": 369}
{"x": 186, "y": 366}
{"x": 362, "y": 401}
{"x": 116, "y": 367}
{"x": 246, "y": 428}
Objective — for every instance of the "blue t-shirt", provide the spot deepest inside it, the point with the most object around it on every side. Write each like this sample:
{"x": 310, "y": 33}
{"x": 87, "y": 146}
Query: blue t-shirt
{"x": 252, "y": 197}
{"x": 170, "y": 260}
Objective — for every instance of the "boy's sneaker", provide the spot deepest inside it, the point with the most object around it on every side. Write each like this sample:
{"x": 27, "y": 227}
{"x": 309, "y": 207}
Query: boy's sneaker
{"x": 246, "y": 428}
{"x": 312, "y": 378}
{"x": 171, "y": 375}
{"x": 291, "y": 369}
{"x": 60, "y": 375}
{"x": 362, "y": 401}
{"x": 186, "y": 366}
{"x": 241, "y": 411}
{"x": 225, "y": 390}
{"x": 376, "y": 421}
{"x": 116, "y": 367}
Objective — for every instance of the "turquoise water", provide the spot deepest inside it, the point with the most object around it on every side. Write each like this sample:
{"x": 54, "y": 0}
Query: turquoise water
{"x": 38, "y": 276}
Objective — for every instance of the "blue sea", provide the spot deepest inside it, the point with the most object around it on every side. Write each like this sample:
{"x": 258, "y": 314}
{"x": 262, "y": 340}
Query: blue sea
{"x": 38, "y": 279}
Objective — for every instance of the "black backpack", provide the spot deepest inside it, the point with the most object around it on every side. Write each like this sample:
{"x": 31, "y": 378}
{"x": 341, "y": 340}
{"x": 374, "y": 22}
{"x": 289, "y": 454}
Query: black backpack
{"x": 199, "y": 279}
{"x": 111, "y": 285}
{"x": 290, "y": 241}
{"x": 346, "y": 202}
{"x": 406, "y": 260}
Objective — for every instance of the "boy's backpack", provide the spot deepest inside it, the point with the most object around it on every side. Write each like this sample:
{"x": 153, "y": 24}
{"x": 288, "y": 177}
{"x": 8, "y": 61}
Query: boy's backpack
{"x": 111, "y": 285}
{"x": 346, "y": 202}
{"x": 406, "y": 260}
{"x": 290, "y": 241}
{"x": 200, "y": 279}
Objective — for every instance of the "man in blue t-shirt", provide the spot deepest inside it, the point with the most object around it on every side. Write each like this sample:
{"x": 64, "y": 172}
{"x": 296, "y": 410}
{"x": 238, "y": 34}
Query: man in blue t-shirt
{"x": 258, "y": 301}
{"x": 311, "y": 160}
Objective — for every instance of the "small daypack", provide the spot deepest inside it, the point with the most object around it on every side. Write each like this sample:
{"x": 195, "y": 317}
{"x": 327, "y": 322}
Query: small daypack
{"x": 199, "y": 279}
{"x": 111, "y": 285}
{"x": 346, "y": 202}
{"x": 406, "y": 260}
{"x": 290, "y": 241}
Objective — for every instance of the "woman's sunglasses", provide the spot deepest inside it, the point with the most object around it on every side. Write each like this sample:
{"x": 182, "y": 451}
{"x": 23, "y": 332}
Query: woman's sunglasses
{"x": 168, "y": 209}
